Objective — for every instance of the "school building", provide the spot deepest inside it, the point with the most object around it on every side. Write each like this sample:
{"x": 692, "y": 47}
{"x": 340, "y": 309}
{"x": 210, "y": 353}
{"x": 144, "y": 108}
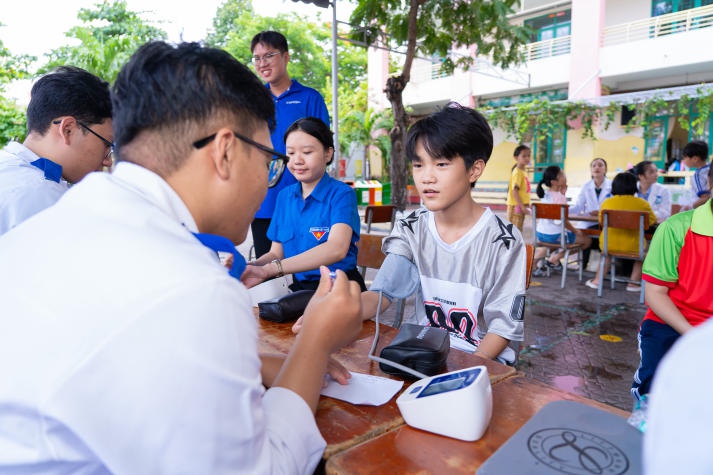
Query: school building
{"x": 651, "y": 59}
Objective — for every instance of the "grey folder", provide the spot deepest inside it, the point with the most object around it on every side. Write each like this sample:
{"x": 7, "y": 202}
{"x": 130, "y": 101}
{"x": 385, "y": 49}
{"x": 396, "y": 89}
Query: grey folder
{"x": 567, "y": 437}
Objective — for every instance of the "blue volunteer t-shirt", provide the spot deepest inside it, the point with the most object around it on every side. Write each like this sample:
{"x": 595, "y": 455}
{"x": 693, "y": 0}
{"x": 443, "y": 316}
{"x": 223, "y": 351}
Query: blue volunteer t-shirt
{"x": 295, "y": 103}
{"x": 301, "y": 224}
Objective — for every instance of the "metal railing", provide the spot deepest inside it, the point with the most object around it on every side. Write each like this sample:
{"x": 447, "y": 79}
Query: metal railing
{"x": 671, "y": 23}
{"x": 547, "y": 48}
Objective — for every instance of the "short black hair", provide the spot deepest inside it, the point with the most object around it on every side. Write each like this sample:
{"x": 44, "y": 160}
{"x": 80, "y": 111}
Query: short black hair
{"x": 270, "y": 38}
{"x": 624, "y": 183}
{"x": 450, "y": 132}
{"x": 68, "y": 91}
{"x": 519, "y": 149}
{"x": 177, "y": 90}
{"x": 316, "y": 128}
{"x": 696, "y": 148}
{"x": 550, "y": 173}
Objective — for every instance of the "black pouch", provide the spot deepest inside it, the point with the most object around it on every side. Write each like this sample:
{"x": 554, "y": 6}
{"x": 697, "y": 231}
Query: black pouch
{"x": 424, "y": 349}
{"x": 287, "y": 308}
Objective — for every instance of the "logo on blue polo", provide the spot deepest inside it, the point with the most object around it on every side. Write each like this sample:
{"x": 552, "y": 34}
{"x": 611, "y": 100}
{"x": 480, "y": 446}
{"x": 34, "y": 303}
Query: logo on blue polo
{"x": 318, "y": 233}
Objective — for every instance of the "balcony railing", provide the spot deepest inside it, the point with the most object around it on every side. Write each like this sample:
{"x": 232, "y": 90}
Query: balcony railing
{"x": 547, "y": 48}
{"x": 680, "y": 22}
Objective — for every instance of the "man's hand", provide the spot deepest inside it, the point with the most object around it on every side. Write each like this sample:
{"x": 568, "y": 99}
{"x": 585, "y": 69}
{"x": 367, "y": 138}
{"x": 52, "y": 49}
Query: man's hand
{"x": 337, "y": 372}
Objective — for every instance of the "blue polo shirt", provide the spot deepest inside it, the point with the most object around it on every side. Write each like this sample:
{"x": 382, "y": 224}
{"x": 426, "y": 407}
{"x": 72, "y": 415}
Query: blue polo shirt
{"x": 295, "y": 103}
{"x": 301, "y": 224}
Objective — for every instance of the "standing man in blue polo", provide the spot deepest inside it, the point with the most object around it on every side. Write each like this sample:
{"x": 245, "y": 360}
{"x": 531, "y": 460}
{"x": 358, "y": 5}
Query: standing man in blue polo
{"x": 292, "y": 101}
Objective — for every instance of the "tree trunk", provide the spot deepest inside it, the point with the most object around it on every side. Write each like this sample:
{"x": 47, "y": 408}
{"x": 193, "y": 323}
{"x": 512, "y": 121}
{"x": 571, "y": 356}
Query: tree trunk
{"x": 399, "y": 169}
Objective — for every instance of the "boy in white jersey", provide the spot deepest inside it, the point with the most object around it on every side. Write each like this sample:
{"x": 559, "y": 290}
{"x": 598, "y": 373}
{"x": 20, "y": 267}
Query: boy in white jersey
{"x": 471, "y": 264}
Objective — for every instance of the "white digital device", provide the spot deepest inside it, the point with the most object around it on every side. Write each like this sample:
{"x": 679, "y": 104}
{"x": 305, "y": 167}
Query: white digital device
{"x": 458, "y": 404}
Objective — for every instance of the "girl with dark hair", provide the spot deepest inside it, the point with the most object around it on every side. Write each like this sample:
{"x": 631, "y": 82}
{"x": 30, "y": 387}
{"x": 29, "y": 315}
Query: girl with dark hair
{"x": 625, "y": 240}
{"x": 548, "y": 230}
{"x": 519, "y": 188}
{"x": 316, "y": 220}
{"x": 658, "y": 196}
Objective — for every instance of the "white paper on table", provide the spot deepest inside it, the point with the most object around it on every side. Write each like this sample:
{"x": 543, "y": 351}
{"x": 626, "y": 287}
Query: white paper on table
{"x": 364, "y": 389}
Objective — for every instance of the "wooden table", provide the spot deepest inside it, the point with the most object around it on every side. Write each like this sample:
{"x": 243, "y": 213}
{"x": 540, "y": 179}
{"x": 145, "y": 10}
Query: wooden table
{"x": 342, "y": 424}
{"x": 405, "y": 450}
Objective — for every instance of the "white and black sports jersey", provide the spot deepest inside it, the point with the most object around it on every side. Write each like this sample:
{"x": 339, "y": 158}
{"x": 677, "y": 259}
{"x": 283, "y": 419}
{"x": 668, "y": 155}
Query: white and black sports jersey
{"x": 473, "y": 286}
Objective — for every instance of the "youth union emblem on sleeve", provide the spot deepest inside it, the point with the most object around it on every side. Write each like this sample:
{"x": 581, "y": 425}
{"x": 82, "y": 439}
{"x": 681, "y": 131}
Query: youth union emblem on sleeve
{"x": 318, "y": 233}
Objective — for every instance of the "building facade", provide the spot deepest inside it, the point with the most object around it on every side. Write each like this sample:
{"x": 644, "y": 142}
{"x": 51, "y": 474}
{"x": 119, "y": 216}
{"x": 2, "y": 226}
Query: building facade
{"x": 615, "y": 55}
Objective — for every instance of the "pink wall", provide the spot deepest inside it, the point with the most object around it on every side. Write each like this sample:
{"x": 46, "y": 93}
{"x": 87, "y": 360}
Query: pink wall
{"x": 587, "y": 26}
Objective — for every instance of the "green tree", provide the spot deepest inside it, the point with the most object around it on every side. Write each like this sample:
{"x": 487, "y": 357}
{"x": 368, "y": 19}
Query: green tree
{"x": 12, "y": 116}
{"x": 363, "y": 127}
{"x": 108, "y": 37}
{"x": 434, "y": 28}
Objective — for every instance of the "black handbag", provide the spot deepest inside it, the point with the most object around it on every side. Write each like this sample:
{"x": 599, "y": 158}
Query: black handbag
{"x": 424, "y": 349}
{"x": 286, "y": 308}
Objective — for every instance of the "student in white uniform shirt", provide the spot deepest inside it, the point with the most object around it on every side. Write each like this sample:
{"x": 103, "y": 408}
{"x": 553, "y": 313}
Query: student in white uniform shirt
{"x": 590, "y": 199}
{"x": 126, "y": 347}
{"x": 69, "y": 135}
{"x": 657, "y": 195}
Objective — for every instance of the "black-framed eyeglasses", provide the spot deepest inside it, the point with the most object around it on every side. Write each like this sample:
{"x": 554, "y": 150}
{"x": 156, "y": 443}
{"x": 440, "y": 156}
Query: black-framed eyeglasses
{"x": 108, "y": 143}
{"x": 265, "y": 58}
{"x": 277, "y": 165}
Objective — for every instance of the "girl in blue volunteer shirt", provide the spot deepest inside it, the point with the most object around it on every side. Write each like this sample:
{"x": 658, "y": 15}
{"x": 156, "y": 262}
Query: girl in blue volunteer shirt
{"x": 316, "y": 220}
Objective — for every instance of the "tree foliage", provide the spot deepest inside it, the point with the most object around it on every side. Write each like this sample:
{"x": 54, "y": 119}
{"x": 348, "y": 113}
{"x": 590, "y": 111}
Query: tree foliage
{"x": 12, "y": 116}
{"x": 108, "y": 37}
{"x": 434, "y": 28}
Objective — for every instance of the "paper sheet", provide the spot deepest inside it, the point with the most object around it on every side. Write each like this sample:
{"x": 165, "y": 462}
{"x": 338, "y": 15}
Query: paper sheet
{"x": 364, "y": 389}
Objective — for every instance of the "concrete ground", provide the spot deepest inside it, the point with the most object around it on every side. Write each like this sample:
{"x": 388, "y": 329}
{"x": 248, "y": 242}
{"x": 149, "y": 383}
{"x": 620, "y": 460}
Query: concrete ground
{"x": 574, "y": 340}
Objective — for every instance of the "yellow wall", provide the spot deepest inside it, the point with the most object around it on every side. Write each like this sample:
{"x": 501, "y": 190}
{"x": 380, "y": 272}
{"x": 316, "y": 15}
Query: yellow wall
{"x": 500, "y": 164}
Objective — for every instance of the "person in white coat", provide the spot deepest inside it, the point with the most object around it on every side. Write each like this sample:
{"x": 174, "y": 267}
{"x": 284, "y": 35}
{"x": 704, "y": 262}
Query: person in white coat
{"x": 590, "y": 199}
{"x": 657, "y": 195}
{"x": 126, "y": 346}
{"x": 69, "y": 134}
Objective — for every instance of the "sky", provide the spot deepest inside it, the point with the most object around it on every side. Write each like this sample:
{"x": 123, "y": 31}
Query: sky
{"x": 26, "y": 31}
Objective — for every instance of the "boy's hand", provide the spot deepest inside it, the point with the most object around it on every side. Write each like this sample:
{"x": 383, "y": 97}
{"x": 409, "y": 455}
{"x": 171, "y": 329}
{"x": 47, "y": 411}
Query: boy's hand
{"x": 253, "y": 275}
{"x": 297, "y": 326}
{"x": 332, "y": 318}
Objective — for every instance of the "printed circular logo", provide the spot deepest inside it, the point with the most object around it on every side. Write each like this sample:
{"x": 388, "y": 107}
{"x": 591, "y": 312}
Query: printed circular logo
{"x": 575, "y": 452}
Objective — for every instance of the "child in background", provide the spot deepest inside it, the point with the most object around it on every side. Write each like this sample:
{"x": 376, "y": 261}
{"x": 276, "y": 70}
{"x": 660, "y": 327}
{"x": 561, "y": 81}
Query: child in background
{"x": 470, "y": 263}
{"x": 695, "y": 155}
{"x": 623, "y": 240}
{"x": 519, "y": 188}
{"x": 316, "y": 220}
{"x": 679, "y": 285}
{"x": 549, "y": 230}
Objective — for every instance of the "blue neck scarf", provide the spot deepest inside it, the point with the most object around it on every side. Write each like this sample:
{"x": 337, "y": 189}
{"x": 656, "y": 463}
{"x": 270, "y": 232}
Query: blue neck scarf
{"x": 52, "y": 170}
{"x": 223, "y": 244}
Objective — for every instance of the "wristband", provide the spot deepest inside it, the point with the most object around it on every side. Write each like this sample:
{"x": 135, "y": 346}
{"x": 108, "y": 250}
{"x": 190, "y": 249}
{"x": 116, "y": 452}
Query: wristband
{"x": 278, "y": 264}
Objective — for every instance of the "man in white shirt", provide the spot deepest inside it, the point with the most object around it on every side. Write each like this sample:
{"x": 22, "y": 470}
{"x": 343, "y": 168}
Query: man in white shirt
{"x": 69, "y": 135}
{"x": 125, "y": 346}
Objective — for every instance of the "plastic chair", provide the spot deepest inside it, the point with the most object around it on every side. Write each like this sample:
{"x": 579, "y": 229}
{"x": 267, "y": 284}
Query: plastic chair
{"x": 379, "y": 214}
{"x": 369, "y": 255}
{"x": 619, "y": 219}
{"x": 556, "y": 212}
{"x": 530, "y": 249}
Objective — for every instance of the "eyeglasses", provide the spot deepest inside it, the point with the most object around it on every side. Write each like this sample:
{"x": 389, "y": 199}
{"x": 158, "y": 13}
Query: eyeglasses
{"x": 108, "y": 143}
{"x": 276, "y": 167}
{"x": 265, "y": 58}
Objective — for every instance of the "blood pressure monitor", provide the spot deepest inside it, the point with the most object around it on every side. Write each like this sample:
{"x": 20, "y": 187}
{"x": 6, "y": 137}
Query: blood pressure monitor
{"x": 458, "y": 404}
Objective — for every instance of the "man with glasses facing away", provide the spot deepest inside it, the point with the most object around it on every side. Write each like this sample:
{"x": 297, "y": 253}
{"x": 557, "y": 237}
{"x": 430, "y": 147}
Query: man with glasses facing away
{"x": 69, "y": 135}
{"x": 292, "y": 101}
{"x": 126, "y": 346}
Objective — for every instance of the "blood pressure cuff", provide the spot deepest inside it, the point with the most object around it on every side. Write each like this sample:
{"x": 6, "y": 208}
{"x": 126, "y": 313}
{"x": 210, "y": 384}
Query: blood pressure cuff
{"x": 286, "y": 308}
{"x": 418, "y": 347}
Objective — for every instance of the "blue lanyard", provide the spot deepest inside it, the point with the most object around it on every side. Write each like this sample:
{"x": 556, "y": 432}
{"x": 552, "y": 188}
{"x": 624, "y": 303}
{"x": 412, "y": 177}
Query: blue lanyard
{"x": 223, "y": 244}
